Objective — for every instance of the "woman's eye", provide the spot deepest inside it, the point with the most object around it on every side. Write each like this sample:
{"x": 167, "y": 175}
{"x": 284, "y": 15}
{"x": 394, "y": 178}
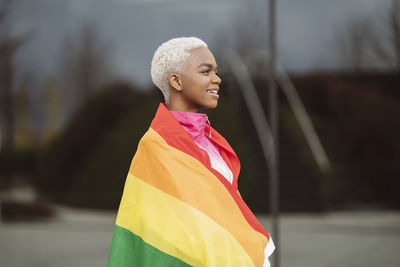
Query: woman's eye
{"x": 206, "y": 71}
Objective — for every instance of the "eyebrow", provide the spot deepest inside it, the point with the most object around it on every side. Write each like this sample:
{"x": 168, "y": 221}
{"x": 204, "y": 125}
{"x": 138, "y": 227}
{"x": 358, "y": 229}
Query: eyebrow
{"x": 207, "y": 65}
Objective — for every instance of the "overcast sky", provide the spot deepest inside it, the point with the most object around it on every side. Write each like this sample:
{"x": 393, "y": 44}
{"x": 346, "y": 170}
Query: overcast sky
{"x": 135, "y": 28}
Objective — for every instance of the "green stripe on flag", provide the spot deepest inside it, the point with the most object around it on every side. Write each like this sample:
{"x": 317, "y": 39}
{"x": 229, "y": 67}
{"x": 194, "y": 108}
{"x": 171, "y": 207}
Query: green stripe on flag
{"x": 128, "y": 249}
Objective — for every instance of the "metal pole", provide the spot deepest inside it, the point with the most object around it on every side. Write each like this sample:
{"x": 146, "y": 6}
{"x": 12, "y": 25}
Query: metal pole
{"x": 273, "y": 113}
{"x": 253, "y": 103}
{"x": 298, "y": 108}
{"x": 396, "y": 31}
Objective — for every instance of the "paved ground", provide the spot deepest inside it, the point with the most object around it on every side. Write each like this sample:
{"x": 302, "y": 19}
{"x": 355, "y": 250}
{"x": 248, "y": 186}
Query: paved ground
{"x": 82, "y": 238}
{"x": 348, "y": 239}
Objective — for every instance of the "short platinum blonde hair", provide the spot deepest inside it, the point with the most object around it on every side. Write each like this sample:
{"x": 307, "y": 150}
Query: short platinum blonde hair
{"x": 170, "y": 57}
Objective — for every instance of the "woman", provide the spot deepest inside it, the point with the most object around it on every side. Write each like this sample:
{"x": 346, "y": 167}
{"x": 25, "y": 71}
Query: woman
{"x": 180, "y": 205}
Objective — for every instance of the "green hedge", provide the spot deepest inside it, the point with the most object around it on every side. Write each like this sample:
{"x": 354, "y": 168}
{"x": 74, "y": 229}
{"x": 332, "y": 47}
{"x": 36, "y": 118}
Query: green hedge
{"x": 87, "y": 163}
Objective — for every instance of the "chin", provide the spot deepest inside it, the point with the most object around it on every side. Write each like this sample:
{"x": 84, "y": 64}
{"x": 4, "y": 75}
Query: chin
{"x": 211, "y": 105}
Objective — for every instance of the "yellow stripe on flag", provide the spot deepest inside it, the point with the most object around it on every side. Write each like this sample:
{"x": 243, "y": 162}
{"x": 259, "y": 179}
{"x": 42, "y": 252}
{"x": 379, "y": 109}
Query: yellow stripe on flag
{"x": 177, "y": 228}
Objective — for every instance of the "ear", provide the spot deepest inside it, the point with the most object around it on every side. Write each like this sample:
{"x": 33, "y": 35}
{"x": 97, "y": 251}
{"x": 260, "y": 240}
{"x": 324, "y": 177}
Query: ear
{"x": 175, "y": 81}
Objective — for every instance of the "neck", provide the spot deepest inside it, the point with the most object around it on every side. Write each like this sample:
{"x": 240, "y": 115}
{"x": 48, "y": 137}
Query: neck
{"x": 176, "y": 103}
{"x": 181, "y": 108}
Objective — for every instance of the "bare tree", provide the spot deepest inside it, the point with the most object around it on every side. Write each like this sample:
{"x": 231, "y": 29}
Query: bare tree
{"x": 8, "y": 49}
{"x": 85, "y": 63}
{"x": 249, "y": 36}
{"x": 24, "y": 111}
{"x": 352, "y": 43}
{"x": 371, "y": 42}
{"x": 395, "y": 35}
{"x": 53, "y": 105}
{"x": 248, "y": 31}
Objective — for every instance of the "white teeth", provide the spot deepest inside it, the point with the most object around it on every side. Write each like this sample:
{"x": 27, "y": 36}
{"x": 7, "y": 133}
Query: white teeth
{"x": 213, "y": 91}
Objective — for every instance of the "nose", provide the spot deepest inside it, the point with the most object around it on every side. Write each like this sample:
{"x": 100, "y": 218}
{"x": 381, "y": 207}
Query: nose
{"x": 216, "y": 79}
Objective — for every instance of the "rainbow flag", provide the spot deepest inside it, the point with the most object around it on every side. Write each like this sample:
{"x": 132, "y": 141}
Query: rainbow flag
{"x": 178, "y": 211}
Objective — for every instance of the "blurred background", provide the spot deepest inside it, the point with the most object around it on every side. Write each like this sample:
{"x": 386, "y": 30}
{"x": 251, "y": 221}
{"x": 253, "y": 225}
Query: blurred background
{"x": 76, "y": 96}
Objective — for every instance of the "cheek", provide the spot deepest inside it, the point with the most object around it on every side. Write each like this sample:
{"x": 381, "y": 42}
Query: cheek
{"x": 197, "y": 83}
{"x": 203, "y": 82}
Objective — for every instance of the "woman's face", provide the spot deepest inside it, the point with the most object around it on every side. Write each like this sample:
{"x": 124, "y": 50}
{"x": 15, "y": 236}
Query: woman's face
{"x": 199, "y": 80}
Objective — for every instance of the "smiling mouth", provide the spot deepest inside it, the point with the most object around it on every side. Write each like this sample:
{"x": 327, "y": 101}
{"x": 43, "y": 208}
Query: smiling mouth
{"x": 212, "y": 92}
